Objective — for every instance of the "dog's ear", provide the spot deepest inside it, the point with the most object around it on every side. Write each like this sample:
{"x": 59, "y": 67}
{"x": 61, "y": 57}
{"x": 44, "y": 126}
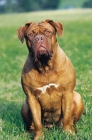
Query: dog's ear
{"x": 57, "y": 25}
{"x": 22, "y": 31}
{"x": 20, "y": 34}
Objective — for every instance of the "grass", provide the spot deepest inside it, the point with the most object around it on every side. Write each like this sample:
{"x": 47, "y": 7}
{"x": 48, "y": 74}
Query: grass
{"x": 76, "y": 42}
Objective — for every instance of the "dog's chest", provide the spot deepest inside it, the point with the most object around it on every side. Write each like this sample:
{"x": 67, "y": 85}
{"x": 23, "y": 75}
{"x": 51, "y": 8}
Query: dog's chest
{"x": 48, "y": 88}
{"x": 49, "y": 96}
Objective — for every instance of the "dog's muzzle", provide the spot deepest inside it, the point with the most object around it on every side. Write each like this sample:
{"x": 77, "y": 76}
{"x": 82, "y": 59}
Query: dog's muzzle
{"x": 42, "y": 48}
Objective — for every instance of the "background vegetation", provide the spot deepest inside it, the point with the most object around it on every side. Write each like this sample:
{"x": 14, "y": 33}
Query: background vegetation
{"x": 72, "y": 3}
{"x": 77, "y": 44}
{"x": 7, "y": 6}
{"x": 28, "y": 5}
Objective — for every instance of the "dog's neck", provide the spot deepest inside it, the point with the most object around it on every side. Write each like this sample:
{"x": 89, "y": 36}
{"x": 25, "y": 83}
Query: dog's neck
{"x": 45, "y": 66}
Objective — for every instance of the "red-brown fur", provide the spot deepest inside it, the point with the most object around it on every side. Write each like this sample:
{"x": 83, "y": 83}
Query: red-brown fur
{"x": 48, "y": 80}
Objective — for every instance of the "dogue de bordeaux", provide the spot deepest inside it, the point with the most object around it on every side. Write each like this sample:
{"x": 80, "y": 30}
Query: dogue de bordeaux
{"x": 48, "y": 80}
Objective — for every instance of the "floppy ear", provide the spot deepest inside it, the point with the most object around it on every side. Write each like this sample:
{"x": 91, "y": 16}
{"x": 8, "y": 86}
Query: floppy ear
{"x": 57, "y": 25}
{"x": 22, "y": 31}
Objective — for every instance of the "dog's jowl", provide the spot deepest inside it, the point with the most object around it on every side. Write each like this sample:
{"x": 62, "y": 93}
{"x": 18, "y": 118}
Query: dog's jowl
{"x": 48, "y": 80}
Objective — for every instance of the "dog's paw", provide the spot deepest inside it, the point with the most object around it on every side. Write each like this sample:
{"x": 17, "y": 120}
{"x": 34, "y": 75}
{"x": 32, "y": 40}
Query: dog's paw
{"x": 70, "y": 131}
{"x": 39, "y": 136}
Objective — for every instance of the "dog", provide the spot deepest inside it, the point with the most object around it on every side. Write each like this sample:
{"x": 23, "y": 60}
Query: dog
{"x": 48, "y": 80}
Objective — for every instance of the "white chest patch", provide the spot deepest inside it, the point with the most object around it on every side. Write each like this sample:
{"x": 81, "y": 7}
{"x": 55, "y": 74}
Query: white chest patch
{"x": 43, "y": 89}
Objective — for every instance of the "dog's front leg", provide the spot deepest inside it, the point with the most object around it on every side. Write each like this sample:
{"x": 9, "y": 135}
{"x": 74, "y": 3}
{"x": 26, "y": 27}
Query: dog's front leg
{"x": 67, "y": 104}
{"x": 35, "y": 109}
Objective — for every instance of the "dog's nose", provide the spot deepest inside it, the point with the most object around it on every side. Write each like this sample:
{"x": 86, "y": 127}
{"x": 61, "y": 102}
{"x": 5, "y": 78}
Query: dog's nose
{"x": 39, "y": 38}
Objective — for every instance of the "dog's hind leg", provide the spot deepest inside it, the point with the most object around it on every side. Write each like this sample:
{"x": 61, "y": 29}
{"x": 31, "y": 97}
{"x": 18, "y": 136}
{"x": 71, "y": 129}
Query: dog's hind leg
{"x": 77, "y": 108}
{"x": 27, "y": 117}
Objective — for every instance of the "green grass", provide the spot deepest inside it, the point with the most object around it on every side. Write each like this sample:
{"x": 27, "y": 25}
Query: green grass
{"x": 76, "y": 42}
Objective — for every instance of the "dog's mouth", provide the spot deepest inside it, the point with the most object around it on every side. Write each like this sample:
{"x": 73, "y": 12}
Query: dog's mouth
{"x": 42, "y": 54}
{"x": 42, "y": 51}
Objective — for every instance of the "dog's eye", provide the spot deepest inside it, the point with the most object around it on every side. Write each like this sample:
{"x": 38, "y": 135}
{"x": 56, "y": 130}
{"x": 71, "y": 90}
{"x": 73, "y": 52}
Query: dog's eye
{"x": 31, "y": 35}
{"x": 48, "y": 33}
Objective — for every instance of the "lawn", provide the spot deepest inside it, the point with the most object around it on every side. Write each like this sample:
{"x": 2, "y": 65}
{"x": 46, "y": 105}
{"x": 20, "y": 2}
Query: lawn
{"x": 77, "y": 44}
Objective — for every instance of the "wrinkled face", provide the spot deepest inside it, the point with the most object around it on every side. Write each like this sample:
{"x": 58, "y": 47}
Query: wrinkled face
{"x": 41, "y": 38}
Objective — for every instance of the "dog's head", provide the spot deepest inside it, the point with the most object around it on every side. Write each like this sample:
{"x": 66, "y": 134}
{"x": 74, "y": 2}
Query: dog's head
{"x": 40, "y": 38}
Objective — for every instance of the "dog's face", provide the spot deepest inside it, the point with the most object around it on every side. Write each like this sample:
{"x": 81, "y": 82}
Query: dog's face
{"x": 40, "y": 38}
